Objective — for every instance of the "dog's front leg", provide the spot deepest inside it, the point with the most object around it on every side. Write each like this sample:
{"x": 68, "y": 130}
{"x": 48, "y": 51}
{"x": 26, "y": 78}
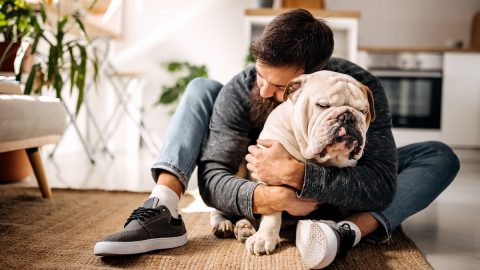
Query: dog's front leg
{"x": 267, "y": 238}
{"x": 222, "y": 227}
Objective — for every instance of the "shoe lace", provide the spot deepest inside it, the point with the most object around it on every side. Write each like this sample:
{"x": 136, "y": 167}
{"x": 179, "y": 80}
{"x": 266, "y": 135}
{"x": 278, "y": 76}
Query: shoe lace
{"x": 142, "y": 214}
{"x": 347, "y": 238}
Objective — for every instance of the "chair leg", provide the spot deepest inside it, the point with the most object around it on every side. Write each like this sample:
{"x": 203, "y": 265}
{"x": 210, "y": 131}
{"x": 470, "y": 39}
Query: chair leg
{"x": 37, "y": 166}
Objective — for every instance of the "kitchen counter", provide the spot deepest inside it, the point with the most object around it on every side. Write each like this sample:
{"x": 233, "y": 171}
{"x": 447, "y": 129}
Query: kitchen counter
{"x": 370, "y": 49}
{"x": 321, "y": 13}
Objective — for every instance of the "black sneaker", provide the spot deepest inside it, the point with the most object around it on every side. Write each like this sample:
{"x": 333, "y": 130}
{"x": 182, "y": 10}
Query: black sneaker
{"x": 148, "y": 228}
{"x": 319, "y": 242}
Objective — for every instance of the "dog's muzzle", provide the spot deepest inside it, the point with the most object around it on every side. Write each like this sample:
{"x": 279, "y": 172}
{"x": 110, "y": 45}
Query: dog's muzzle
{"x": 345, "y": 136}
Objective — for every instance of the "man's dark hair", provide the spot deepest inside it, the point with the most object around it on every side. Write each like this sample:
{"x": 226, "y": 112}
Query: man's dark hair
{"x": 295, "y": 38}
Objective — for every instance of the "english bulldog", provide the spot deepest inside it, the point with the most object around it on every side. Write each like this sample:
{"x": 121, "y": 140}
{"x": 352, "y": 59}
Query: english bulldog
{"x": 324, "y": 117}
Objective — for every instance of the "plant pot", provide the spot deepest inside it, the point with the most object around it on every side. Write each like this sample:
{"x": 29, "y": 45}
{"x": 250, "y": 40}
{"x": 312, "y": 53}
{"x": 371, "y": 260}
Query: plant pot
{"x": 7, "y": 64}
{"x": 14, "y": 166}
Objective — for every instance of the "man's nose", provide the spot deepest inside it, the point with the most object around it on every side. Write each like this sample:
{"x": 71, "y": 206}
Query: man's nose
{"x": 267, "y": 91}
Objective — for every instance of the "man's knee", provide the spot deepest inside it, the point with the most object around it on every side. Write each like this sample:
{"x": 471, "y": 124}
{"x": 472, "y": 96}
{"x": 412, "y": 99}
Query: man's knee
{"x": 202, "y": 89}
{"x": 444, "y": 157}
{"x": 445, "y": 154}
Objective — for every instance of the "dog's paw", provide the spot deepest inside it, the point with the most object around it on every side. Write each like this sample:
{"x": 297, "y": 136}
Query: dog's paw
{"x": 262, "y": 242}
{"x": 224, "y": 229}
{"x": 243, "y": 230}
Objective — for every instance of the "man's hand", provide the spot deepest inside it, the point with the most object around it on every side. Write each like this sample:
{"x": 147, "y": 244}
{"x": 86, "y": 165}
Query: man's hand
{"x": 270, "y": 199}
{"x": 273, "y": 165}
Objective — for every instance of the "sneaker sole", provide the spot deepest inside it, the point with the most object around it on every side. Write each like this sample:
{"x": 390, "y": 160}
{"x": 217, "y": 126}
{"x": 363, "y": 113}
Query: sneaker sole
{"x": 317, "y": 244}
{"x": 107, "y": 248}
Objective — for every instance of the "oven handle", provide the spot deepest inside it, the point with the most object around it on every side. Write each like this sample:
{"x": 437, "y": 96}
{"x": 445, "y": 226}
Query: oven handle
{"x": 406, "y": 73}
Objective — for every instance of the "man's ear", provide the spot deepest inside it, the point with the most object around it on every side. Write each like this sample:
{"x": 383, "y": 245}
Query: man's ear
{"x": 371, "y": 106}
{"x": 294, "y": 87}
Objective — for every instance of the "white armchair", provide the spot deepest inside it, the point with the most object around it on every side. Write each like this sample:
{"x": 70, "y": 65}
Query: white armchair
{"x": 28, "y": 122}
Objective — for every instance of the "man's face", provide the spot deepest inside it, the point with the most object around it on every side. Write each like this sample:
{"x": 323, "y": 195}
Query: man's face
{"x": 272, "y": 80}
{"x": 267, "y": 93}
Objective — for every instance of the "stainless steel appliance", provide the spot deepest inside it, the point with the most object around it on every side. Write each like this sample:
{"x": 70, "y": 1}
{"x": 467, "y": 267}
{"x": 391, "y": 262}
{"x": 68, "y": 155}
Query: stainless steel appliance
{"x": 413, "y": 84}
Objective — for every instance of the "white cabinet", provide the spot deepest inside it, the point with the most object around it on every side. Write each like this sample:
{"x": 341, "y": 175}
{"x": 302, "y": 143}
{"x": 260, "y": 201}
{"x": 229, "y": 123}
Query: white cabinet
{"x": 460, "y": 124}
{"x": 344, "y": 25}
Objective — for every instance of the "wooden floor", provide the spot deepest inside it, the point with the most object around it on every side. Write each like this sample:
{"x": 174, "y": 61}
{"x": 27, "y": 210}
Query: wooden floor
{"x": 448, "y": 231}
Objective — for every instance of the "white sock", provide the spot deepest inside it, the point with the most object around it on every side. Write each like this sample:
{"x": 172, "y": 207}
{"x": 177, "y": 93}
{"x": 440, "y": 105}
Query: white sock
{"x": 167, "y": 197}
{"x": 353, "y": 226}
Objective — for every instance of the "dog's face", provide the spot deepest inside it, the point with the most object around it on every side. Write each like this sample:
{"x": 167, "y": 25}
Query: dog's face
{"x": 335, "y": 111}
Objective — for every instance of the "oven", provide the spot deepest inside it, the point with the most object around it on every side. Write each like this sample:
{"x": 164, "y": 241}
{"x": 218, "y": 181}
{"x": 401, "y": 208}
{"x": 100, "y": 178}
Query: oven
{"x": 413, "y": 85}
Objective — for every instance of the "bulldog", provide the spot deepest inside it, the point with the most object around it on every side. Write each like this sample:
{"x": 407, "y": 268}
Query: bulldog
{"x": 324, "y": 117}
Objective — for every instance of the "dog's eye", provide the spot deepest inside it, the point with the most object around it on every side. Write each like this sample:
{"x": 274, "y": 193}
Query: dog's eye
{"x": 363, "y": 111}
{"x": 323, "y": 105}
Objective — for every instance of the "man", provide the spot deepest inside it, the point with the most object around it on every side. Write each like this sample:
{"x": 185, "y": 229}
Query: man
{"x": 228, "y": 119}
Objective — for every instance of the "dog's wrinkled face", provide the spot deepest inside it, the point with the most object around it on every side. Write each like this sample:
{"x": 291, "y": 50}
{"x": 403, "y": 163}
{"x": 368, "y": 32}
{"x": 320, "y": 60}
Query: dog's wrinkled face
{"x": 334, "y": 111}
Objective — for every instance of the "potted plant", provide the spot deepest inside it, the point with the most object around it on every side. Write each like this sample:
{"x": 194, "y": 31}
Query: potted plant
{"x": 67, "y": 56}
{"x": 172, "y": 93}
{"x": 64, "y": 56}
{"x": 17, "y": 20}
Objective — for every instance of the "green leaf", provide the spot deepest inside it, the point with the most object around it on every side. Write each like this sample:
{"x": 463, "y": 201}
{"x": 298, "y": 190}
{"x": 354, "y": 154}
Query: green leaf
{"x": 171, "y": 94}
{"x": 60, "y": 32}
{"x": 174, "y": 66}
{"x": 52, "y": 63}
{"x": 58, "y": 85}
{"x": 95, "y": 66}
{"x": 73, "y": 68}
{"x": 82, "y": 68}
{"x": 35, "y": 43}
{"x": 79, "y": 100}
{"x": 80, "y": 25}
{"x": 43, "y": 14}
{"x": 30, "y": 79}
{"x": 92, "y": 4}
{"x": 61, "y": 23}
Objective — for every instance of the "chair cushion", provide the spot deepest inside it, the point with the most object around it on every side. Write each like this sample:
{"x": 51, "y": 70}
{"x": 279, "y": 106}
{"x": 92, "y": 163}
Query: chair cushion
{"x": 28, "y": 121}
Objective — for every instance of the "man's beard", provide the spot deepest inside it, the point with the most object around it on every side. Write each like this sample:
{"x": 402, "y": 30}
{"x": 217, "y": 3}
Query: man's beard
{"x": 260, "y": 107}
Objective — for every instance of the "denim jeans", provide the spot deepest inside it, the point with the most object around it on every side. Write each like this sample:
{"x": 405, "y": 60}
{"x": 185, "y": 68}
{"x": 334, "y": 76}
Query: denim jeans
{"x": 425, "y": 169}
{"x": 186, "y": 130}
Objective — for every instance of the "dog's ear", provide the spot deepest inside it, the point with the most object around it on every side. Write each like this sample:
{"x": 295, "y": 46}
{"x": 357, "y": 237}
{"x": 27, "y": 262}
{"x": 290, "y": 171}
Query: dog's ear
{"x": 370, "y": 117}
{"x": 293, "y": 88}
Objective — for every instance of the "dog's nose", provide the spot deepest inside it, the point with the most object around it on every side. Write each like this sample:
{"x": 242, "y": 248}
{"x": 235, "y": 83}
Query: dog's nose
{"x": 347, "y": 118}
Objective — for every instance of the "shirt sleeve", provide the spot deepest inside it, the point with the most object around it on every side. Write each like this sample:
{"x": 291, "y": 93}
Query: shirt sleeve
{"x": 224, "y": 148}
{"x": 371, "y": 184}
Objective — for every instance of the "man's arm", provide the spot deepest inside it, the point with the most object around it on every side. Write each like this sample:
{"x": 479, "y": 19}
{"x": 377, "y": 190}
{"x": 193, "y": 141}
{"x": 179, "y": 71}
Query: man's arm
{"x": 223, "y": 150}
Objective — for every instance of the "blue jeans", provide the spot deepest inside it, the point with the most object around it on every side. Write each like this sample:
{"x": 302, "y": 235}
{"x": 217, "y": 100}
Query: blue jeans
{"x": 425, "y": 169}
{"x": 186, "y": 130}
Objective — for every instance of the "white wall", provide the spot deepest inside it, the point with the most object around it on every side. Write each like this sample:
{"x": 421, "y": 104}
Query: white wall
{"x": 211, "y": 32}
{"x": 407, "y": 23}
{"x": 206, "y": 32}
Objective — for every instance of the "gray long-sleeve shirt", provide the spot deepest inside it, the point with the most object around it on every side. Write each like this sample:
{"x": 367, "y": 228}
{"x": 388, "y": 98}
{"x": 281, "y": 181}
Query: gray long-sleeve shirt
{"x": 370, "y": 185}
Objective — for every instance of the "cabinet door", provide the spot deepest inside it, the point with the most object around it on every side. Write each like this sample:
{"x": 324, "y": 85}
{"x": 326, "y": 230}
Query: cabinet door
{"x": 461, "y": 99}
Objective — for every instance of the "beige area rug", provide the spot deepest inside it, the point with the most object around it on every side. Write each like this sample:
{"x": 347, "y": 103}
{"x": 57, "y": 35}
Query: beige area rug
{"x": 60, "y": 234}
